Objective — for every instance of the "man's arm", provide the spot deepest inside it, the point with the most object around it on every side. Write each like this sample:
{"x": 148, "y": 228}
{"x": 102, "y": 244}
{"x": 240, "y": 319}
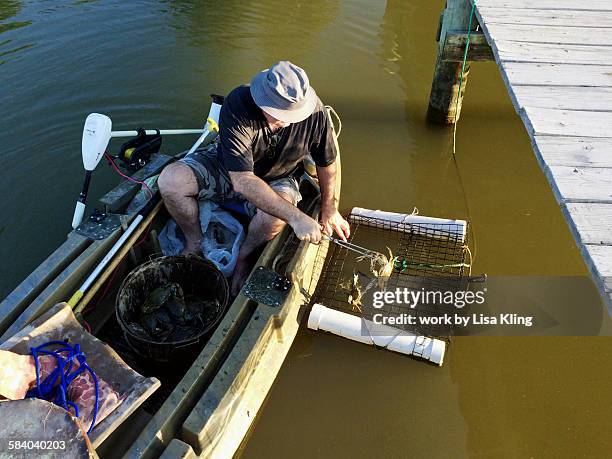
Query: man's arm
{"x": 331, "y": 220}
{"x": 265, "y": 198}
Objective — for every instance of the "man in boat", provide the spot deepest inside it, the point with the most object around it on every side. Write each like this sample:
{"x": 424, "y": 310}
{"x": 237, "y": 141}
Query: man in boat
{"x": 266, "y": 130}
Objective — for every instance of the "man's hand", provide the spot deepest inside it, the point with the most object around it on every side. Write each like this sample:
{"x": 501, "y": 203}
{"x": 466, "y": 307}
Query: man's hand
{"x": 306, "y": 228}
{"x": 331, "y": 221}
{"x": 259, "y": 193}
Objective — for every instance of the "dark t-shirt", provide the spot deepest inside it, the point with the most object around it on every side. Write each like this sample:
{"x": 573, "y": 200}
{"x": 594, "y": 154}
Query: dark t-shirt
{"x": 247, "y": 143}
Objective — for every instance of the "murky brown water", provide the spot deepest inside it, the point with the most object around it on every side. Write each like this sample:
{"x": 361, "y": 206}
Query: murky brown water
{"x": 153, "y": 63}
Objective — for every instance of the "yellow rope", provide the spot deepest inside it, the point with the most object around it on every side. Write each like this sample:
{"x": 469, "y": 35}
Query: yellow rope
{"x": 466, "y": 248}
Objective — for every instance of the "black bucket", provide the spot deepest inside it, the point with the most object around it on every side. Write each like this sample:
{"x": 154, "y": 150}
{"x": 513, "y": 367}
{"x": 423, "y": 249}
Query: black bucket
{"x": 196, "y": 276}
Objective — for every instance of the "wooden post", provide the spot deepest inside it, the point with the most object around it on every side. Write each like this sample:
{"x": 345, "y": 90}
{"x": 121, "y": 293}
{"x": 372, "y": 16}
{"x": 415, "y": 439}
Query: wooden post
{"x": 444, "y": 98}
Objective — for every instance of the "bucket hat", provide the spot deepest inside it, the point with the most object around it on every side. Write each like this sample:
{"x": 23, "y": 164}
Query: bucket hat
{"x": 283, "y": 91}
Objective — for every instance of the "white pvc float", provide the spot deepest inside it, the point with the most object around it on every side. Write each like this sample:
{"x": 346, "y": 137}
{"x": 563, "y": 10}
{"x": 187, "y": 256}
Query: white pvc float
{"x": 441, "y": 226}
{"x": 352, "y": 327}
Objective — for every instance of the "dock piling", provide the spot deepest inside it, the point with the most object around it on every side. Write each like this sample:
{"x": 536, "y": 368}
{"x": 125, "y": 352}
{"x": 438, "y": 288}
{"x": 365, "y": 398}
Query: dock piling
{"x": 445, "y": 98}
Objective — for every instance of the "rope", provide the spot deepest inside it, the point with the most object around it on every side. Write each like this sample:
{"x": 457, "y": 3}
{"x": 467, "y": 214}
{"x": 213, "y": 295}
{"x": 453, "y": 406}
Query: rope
{"x": 463, "y": 63}
{"x": 465, "y": 53}
{"x": 333, "y": 112}
{"x": 466, "y": 203}
{"x": 466, "y": 248}
{"x": 55, "y": 386}
{"x": 403, "y": 265}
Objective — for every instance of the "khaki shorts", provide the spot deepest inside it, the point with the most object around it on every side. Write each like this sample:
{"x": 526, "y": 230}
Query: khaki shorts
{"x": 214, "y": 183}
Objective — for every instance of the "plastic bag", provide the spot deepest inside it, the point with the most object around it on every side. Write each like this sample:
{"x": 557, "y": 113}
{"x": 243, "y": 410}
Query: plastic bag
{"x": 223, "y": 235}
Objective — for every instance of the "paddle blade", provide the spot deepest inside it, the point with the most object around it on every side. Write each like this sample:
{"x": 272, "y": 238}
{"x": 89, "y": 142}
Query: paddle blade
{"x": 96, "y": 135}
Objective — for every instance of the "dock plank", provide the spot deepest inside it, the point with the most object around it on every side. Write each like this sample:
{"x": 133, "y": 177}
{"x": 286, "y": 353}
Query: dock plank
{"x": 564, "y": 97}
{"x": 568, "y": 122}
{"x": 601, "y": 259}
{"x": 522, "y": 73}
{"x": 574, "y": 151}
{"x": 555, "y": 57}
{"x": 592, "y": 222}
{"x": 582, "y": 184}
{"x": 552, "y": 53}
{"x": 567, "y": 18}
{"x": 592, "y": 5}
{"x": 601, "y": 36}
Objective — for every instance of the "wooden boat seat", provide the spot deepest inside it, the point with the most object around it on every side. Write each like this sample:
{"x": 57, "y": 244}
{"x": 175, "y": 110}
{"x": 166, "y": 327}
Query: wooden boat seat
{"x": 59, "y": 323}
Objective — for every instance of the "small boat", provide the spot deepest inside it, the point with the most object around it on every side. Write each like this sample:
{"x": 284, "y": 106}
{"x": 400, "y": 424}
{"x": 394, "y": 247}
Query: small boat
{"x": 206, "y": 405}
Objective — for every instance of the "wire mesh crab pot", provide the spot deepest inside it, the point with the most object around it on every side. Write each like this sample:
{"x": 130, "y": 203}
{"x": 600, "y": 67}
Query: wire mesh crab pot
{"x": 430, "y": 255}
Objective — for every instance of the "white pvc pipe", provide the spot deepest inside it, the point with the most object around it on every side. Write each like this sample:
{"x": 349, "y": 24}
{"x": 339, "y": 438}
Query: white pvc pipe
{"x": 198, "y": 142}
{"x": 154, "y": 131}
{"x": 352, "y": 327}
{"x": 457, "y": 228}
{"x": 213, "y": 114}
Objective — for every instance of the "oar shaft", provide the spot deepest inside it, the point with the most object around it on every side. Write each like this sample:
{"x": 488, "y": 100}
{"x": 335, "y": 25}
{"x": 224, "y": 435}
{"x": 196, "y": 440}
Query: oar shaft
{"x": 161, "y": 131}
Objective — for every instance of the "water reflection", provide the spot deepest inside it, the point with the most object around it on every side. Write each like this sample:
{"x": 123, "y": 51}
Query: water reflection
{"x": 9, "y": 9}
{"x": 266, "y": 29}
{"x": 407, "y": 48}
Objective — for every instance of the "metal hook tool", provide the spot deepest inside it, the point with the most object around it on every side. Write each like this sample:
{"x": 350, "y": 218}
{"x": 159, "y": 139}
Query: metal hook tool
{"x": 355, "y": 248}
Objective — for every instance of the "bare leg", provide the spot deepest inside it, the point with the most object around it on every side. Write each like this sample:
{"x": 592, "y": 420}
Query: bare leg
{"x": 263, "y": 228}
{"x": 179, "y": 188}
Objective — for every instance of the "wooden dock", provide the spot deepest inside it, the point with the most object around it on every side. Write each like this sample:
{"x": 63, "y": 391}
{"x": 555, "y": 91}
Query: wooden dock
{"x": 555, "y": 57}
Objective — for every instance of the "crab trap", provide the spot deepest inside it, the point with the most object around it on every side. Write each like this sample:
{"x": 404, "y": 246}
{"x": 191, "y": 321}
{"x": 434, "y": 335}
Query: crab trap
{"x": 398, "y": 301}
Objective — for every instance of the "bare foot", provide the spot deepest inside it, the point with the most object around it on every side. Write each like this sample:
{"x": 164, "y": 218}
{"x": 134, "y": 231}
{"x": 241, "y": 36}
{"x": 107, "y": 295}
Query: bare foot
{"x": 241, "y": 272}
